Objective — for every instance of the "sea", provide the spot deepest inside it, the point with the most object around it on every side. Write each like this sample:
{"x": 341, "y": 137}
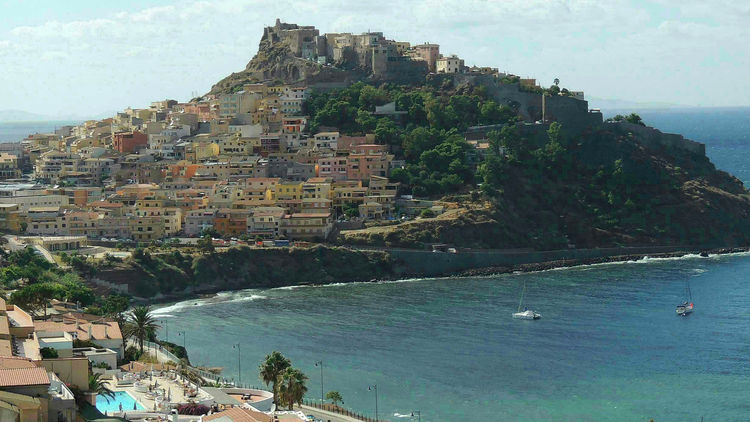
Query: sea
{"x": 609, "y": 345}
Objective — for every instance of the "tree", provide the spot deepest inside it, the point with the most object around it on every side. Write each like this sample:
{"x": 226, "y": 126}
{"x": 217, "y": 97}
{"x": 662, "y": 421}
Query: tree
{"x": 554, "y": 90}
{"x": 427, "y": 213}
{"x": 206, "y": 244}
{"x": 334, "y": 397}
{"x": 635, "y": 119}
{"x": 35, "y": 297}
{"x": 99, "y": 386}
{"x": 293, "y": 387}
{"x": 48, "y": 353}
{"x": 141, "y": 324}
{"x": 271, "y": 369}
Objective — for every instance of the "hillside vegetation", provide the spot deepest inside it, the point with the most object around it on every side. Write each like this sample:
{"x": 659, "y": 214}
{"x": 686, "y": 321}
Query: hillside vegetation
{"x": 600, "y": 188}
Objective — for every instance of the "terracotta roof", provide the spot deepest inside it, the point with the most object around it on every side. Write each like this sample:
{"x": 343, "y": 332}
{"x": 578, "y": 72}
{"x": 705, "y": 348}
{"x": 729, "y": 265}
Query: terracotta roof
{"x": 23, "y": 376}
{"x": 15, "y": 362}
{"x": 238, "y": 414}
{"x": 6, "y": 348}
{"x": 4, "y": 326}
{"x": 82, "y": 331}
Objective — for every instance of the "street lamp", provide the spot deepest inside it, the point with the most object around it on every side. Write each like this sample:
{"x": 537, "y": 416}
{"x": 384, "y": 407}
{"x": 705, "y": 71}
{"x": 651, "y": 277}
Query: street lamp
{"x": 374, "y": 388}
{"x": 419, "y": 415}
{"x": 239, "y": 362}
{"x": 182, "y": 333}
{"x": 320, "y": 363}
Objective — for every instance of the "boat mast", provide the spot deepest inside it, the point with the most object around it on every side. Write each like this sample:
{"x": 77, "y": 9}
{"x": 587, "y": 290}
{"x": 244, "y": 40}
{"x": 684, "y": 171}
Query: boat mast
{"x": 523, "y": 291}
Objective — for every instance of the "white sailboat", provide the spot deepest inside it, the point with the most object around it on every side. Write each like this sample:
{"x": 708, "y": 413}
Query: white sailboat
{"x": 525, "y": 313}
{"x": 686, "y": 308}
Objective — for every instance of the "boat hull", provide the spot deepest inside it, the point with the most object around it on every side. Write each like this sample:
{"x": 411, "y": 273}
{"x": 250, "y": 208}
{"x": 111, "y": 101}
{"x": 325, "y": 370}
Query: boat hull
{"x": 526, "y": 315}
{"x": 683, "y": 310}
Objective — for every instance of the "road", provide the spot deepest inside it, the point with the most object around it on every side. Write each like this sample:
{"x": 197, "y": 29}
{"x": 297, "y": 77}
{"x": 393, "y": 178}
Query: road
{"x": 327, "y": 416}
{"x": 45, "y": 253}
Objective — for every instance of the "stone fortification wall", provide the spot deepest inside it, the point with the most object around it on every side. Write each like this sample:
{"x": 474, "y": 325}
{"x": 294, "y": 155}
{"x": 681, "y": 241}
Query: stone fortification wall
{"x": 654, "y": 138}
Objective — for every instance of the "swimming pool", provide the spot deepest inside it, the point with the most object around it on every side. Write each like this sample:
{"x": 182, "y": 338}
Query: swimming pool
{"x": 110, "y": 404}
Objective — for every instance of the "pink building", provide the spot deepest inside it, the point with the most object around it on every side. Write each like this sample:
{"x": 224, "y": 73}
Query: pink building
{"x": 368, "y": 160}
{"x": 333, "y": 167}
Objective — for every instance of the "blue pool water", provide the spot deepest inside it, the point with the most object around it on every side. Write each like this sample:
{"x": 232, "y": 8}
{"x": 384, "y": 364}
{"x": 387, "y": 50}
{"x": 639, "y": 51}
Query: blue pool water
{"x": 110, "y": 404}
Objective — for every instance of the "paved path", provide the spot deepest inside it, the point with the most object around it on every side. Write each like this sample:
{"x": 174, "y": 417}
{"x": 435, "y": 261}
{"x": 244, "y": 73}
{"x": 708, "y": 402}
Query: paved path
{"x": 46, "y": 254}
{"x": 13, "y": 243}
{"x": 161, "y": 357}
{"x": 326, "y": 415}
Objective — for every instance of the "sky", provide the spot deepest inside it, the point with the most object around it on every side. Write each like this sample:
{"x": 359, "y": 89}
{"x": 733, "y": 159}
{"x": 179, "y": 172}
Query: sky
{"x": 91, "y": 58}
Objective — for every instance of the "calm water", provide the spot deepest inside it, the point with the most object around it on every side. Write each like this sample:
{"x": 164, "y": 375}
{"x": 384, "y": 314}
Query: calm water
{"x": 112, "y": 404}
{"x": 609, "y": 345}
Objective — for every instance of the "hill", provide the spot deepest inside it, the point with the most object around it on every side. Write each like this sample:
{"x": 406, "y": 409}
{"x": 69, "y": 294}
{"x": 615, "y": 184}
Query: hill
{"x": 542, "y": 170}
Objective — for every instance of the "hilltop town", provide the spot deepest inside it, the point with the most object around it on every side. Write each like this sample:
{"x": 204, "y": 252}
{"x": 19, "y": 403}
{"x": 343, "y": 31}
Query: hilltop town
{"x": 243, "y": 162}
{"x": 330, "y": 158}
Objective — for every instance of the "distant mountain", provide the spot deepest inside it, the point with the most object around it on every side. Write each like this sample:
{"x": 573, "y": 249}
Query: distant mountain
{"x": 606, "y": 104}
{"x": 22, "y": 116}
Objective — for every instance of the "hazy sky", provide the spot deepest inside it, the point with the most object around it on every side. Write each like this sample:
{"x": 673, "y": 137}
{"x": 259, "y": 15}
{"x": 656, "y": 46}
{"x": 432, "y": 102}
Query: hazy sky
{"x": 87, "y": 58}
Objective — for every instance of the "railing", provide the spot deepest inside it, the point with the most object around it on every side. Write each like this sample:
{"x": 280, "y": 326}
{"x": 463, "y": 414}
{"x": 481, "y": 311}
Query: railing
{"x": 158, "y": 348}
{"x": 340, "y": 411}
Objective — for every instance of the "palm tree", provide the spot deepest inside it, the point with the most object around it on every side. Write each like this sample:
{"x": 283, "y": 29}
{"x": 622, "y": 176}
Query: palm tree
{"x": 141, "y": 324}
{"x": 271, "y": 369}
{"x": 98, "y": 386}
{"x": 293, "y": 387}
{"x": 334, "y": 397}
{"x": 557, "y": 81}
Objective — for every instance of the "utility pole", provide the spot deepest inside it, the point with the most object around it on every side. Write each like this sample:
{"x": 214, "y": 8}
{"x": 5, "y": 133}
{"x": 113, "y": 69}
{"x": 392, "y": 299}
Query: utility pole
{"x": 320, "y": 363}
{"x": 374, "y": 388}
{"x": 239, "y": 363}
{"x": 182, "y": 333}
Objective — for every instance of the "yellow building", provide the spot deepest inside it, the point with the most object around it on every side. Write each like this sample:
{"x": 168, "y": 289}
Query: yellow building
{"x": 11, "y": 218}
{"x": 196, "y": 151}
{"x": 9, "y": 167}
{"x": 145, "y": 229}
{"x": 285, "y": 191}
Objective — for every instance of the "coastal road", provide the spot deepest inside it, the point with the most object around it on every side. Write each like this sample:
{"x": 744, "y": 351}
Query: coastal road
{"x": 327, "y": 416}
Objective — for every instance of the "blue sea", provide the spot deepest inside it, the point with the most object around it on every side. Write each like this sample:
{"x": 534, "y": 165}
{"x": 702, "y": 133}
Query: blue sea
{"x": 609, "y": 346}
{"x": 17, "y": 131}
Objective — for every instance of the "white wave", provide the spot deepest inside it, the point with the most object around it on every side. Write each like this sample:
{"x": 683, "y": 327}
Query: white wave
{"x": 219, "y": 298}
{"x": 401, "y": 415}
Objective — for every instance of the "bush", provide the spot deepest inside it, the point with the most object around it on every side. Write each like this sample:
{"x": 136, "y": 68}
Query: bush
{"x": 192, "y": 409}
{"x": 104, "y": 365}
{"x": 48, "y": 353}
{"x": 132, "y": 354}
{"x": 427, "y": 213}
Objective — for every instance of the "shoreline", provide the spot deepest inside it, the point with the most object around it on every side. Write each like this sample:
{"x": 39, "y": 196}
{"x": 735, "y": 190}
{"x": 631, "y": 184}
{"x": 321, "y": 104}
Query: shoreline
{"x": 213, "y": 292}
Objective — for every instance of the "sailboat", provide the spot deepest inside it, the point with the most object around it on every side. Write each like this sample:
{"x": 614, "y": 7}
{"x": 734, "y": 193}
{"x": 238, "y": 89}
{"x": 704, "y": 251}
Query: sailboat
{"x": 686, "y": 307}
{"x": 525, "y": 313}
